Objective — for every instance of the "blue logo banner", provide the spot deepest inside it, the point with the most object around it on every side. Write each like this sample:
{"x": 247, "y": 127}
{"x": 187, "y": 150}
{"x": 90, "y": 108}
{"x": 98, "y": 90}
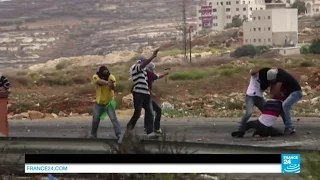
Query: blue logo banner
{"x": 290, "y": 163}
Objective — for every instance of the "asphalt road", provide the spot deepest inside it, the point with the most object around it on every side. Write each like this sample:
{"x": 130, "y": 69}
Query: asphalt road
{"x": 215, "y": 130}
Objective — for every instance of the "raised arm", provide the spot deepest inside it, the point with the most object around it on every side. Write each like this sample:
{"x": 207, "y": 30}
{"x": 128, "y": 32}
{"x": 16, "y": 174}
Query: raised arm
{"x": 146, "y": 62}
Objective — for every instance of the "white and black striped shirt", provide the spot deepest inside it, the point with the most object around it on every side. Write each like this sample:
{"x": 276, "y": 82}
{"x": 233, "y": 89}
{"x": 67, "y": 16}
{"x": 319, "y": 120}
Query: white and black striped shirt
{"x": 139, "y": 78}
{"x": 4, "y": 82}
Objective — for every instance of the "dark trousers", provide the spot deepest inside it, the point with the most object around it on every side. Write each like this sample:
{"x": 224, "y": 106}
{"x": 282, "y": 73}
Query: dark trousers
{"x": 142, "y": 101}
{"x": 158, "y": 111}
{"x": 261, "y": 129}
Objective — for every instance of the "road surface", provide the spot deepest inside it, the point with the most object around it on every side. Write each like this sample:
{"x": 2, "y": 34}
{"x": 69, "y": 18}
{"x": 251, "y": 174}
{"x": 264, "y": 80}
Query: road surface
{"x": 215, "y": 130}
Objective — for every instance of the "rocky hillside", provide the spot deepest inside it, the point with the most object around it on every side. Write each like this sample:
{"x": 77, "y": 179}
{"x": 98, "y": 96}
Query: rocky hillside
{"x": 39, "y": 30}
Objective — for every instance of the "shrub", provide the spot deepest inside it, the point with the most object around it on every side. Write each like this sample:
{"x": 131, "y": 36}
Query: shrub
{"x": 62, "y": 64}
{"x": 300, "y": 5}
{"x": 305, "y": 49}
{"x": 315, "y": 46}
{"x": 236, "y": 22}
{"x": 190, "y": 75}
{"x": 246, "y": 50}
{"x": 262, "y": 49}
{"x": 306, "y": 63}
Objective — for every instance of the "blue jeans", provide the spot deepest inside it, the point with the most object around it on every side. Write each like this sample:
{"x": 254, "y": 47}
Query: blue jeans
{"x": 251, "y": 101}
{"x": 292, "y": 99}
{"x": 98, "y": 110}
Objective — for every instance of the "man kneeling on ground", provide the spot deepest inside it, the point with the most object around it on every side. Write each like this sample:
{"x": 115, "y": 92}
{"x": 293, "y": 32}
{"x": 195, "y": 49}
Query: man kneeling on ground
{"x": 263, "y": 126}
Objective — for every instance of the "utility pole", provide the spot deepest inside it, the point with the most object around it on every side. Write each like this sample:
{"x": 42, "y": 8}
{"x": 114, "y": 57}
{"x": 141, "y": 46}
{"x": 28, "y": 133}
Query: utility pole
{"x": 190, "y": 28}
{"x": 184, "y": 29}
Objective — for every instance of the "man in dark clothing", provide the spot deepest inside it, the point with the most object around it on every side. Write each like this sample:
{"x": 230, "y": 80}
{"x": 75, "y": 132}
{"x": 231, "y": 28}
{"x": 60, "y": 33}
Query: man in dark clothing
{"x": 254, "y": 97}
{"x": 283, "y": 82}
{"x": 141, "y": 96}
{"x": 157, "y": 109}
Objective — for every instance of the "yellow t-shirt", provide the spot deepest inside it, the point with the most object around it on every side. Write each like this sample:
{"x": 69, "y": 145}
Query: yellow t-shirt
{"x": 104, "y": 94}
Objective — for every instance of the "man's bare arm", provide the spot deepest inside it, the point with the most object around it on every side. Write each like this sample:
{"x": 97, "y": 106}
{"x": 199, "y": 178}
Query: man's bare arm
{"x": 163, "y": 74}
{"x": 146, "y": 62}
{"x": 108, "y": 83}
{"x": 254, "y": 71}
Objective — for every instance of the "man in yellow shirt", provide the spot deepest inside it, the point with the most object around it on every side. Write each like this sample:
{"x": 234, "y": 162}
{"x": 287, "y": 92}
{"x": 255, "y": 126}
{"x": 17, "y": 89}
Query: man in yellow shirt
{"x": 104, "y": 83}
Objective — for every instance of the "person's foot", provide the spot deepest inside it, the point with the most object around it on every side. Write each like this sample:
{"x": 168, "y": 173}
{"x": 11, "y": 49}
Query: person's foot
{"x": 145, "y": 131}
{"x": 121, "y": 136}
{"x": 158, "y": 132}
{"x": 93, "y": 136}
{"x": 289, "y": 131}
{"x": 239, "y": 134}
{"x": 118, "y": 136}
{"x": 152, "y": 135}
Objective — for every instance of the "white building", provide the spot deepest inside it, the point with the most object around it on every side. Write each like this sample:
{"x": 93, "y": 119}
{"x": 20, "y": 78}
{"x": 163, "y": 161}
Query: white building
{"x": 222, "y": 12}
{"x": 313, "y": 7}
{"x": 274, "y": 27}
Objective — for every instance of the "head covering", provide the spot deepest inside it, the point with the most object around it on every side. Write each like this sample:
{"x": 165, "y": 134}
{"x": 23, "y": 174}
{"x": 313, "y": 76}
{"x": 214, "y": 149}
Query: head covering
{"x": 150, "y": 67}
{"x": 100, "y": 72}
{"x": 272, "y": 74}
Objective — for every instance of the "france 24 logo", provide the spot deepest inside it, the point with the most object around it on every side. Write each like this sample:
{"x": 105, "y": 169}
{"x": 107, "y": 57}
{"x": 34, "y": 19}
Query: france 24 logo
{"x": 290, "y": 163}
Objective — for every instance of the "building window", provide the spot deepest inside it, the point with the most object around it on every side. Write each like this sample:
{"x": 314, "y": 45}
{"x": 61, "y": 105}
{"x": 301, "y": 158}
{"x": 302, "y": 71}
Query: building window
{"x": 254, "y": 18}
{"x": 269, "y": 17}
{"x": 244, "y": 9}
{"x": 227, "y": 9}
{"x": 259, "y": 40}
{"x": 269, "y": 28}
{"x": 214, "y": 10}
{"x": 228, "y": 17}
{"x": 254, "y": 29}
{"x": 215, "y": 24}
{"x": 199, "y": 25}
{"x": 237, "y": 9}
{"x": 254, "y": 40}
{"x": 214, "y": 17}
{"x": 217, "y": 3}
{"x": 200, "y": 18}
{"x": 269, "y": 40}
{"x": 256, "y": 8}
{"x": 258, "y": 17}
{"x": 243, "y": 2}
{"x": 244, "y": 17}
{"x": 246, "y": 40}
{"x": 221, "y": 3}
{"x": 237, "y": 2}
{"x": 199, "y": 11}
{"x": 259, "y": 29}
{"x": 250, "y": 9}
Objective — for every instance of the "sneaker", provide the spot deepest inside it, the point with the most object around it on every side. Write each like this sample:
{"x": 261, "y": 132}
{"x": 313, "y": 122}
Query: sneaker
{"x": 152, "y": 135}
{"x": 93, "y": 137}
{"x": 159, "y": 132}
{"x": 289, "y": 131}
{"x": 145, "y": 131}
{"x": 238, "y": 134}
{"x": 121, "y": 137}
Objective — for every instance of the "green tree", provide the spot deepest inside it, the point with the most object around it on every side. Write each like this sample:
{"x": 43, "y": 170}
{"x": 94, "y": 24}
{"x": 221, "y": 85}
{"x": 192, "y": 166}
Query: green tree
{"x": 300, "y": 5}
{"x": 315, "y": 46}
{"x": 236, "y": 22}
{"x": 245, "y": 50}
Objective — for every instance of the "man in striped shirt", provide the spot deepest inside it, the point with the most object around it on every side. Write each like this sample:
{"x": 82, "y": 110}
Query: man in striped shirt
{"x": 4, "y": 83}
{"x": 263, "y": 126}
{"x": 141, "y": 96}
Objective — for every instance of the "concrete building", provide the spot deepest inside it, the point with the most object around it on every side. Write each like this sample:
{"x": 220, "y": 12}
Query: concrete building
{"x": 216, "y": 14}
{"x": 274, "y": 27}
{"x": 313, "y": 7}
